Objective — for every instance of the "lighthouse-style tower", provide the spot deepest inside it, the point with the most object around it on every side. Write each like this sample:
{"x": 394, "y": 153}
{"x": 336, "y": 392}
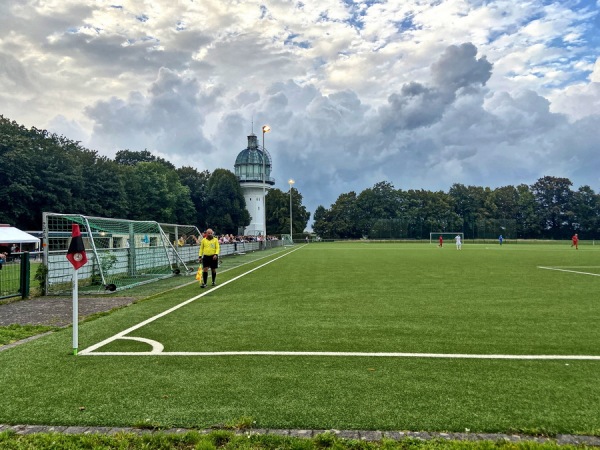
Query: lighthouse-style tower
{"x": 253, "y": 170}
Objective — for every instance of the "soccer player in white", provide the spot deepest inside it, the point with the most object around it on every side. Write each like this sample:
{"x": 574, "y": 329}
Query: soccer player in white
{"x": 458, "y": 242}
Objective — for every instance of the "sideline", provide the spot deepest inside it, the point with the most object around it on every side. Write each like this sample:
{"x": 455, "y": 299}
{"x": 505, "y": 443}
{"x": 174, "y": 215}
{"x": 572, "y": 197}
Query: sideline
{"x": 571, "y": 271}
{"x": 157, "y": 351}
{"x": 157, "y": 348}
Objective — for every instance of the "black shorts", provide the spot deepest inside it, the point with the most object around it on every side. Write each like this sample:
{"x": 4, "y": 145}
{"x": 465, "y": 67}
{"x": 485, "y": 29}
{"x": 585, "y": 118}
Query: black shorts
{"x": 209, "y": 261}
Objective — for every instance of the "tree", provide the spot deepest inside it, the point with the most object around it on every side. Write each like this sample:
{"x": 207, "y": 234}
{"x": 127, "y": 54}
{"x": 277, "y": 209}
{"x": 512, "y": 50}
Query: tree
{"x": 278, "y": 212}
{"x": 322, "y": 222}
{"x": 343, "y": 217}
{"x": 434, "y": 211}
{"x": 473, "y": 204}
{"x": 506, "y": 201}
{"x": 299, "y": 213}
{"x": 17, "y": 161}
{"x": 40, "y": 172}
{"x": 103, "y": 191}
{"x": 131, "y": 158}
{"x": 226, "y": 204}
{"x": 586, "y": 212}
{"x": 553, "y": 197}
{"x": 154, "y": 192}
{"x": 197, "y": 183}
{"x": 379, "y": 203}
{"x": 526, "y": 221}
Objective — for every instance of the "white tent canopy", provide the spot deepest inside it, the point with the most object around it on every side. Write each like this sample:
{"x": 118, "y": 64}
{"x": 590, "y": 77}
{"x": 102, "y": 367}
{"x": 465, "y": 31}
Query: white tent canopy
{"x": 12, "y": 235}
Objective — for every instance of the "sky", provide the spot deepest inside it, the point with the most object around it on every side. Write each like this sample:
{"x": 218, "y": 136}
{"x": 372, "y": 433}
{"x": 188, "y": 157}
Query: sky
{"x": 418, "y": 93}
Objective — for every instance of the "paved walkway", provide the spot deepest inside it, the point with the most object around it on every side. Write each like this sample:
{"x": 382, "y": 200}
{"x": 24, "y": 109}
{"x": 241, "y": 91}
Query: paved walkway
{"x": 561, "y": 439}
{"x": 56, "y": 311}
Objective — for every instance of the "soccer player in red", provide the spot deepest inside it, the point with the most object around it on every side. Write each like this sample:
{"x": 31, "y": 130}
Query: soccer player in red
{"x": 575, "y": 241}
{"x": 441, "y": 241}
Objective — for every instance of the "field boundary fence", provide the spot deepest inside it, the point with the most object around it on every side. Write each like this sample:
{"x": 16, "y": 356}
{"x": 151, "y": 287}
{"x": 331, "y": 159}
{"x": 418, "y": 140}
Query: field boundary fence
{"x": 15, "y": 276}
{"x": 123, "y": 253}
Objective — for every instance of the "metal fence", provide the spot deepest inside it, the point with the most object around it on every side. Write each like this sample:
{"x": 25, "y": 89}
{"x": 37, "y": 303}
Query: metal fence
{"x": 122, "y": 253}
{"x": 15, "y": 276}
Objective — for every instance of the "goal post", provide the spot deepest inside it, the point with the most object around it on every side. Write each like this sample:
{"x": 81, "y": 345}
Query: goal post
{"x": 121, "y": 253}
{"x": 434, "y": 237}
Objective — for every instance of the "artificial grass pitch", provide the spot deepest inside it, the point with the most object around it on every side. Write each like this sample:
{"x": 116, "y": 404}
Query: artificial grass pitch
{"x": 359, "y": 297}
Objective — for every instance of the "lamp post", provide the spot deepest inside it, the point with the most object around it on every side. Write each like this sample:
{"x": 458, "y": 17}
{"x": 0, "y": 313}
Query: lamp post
{"x": 291, "y": 182}
{"x": 265, "y": 129}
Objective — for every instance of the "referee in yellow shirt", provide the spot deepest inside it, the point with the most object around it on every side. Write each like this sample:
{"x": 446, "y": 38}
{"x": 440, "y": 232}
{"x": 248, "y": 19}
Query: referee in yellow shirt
{"x": 209, "y": 254}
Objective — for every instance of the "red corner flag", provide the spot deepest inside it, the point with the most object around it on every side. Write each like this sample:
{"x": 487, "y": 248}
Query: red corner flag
{"x": 76, "y": 253}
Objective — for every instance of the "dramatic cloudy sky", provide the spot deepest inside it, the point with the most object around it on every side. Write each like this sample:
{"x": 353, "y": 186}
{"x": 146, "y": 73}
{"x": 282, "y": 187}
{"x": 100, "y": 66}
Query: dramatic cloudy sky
{"x": 420, "y": 93}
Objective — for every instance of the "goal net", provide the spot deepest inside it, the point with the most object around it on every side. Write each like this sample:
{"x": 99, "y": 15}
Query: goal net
{"x": 121, "y": 253}
{"x": 434, "y": 238}
{"x": 287, "y": 239}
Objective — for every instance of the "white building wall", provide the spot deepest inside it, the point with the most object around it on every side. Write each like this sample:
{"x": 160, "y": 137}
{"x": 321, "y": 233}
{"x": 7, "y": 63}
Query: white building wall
{"x": 253, "y": 194}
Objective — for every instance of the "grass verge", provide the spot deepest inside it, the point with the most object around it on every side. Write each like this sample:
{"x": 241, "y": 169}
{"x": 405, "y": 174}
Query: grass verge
{"x": 222, "y": 439}
{"x": 15, "y": 332}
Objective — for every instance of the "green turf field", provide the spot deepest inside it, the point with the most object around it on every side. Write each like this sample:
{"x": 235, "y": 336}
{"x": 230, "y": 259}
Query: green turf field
{"x": 345, "y": 302}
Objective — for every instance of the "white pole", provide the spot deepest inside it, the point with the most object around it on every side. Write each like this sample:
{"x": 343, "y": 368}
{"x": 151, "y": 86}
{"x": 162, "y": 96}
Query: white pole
{"x": 265, "y": 129}
{"x": 264, "y": 214}
{"x": 291, "y": 182}
{"x": 75, "y": 313}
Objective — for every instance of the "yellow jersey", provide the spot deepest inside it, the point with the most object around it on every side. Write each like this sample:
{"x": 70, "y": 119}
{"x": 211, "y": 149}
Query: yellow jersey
{"x": 209, "y": 247}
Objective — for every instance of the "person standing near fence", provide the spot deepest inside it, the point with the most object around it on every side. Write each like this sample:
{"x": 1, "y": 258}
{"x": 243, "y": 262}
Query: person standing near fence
{"x": 209, "y": 254}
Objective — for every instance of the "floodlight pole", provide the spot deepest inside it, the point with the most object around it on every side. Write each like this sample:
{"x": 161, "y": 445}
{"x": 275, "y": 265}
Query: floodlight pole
{"x": 291, "y": 183}
{"x": 265, "y": 129}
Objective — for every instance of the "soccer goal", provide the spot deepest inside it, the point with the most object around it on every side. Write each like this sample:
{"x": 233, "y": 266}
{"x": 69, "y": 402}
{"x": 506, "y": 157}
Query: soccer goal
{"x": 434, "y": 238}
{"x": 121, "y": 253}
{"x": 287, "y": 239}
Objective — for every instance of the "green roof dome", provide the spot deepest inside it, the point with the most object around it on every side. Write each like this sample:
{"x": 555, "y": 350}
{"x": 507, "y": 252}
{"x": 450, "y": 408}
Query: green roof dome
{"x": 249, "y": 163}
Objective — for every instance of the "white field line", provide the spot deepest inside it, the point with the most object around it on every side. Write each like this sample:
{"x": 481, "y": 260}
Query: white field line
{"x": 157, "y": 347}
{"x": 570, "y": 271}
{"x": 354, "y": 354}
{"x": 174, "y": 308}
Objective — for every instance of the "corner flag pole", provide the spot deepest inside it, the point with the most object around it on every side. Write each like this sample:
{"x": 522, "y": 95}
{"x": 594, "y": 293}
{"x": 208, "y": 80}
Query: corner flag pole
{"x": 77, "y": 257}
{"x": 75, "y": 313}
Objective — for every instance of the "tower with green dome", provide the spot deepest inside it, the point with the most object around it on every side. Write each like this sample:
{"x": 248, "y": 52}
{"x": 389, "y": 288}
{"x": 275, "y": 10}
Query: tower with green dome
{"x": 253, "y": 170}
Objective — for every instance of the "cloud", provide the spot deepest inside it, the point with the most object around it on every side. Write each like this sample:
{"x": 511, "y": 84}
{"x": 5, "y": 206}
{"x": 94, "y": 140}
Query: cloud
{"x": 13, "y": 75}
{"x": 458, "y": 67}
{"x": 420, "y": 94}
{"x": 167, "y": 119}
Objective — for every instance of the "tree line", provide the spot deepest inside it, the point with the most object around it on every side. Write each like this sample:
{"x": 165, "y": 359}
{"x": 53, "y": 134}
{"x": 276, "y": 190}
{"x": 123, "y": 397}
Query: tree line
{"x": 43, "y": 172}
{"x": 548, "y": 209}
